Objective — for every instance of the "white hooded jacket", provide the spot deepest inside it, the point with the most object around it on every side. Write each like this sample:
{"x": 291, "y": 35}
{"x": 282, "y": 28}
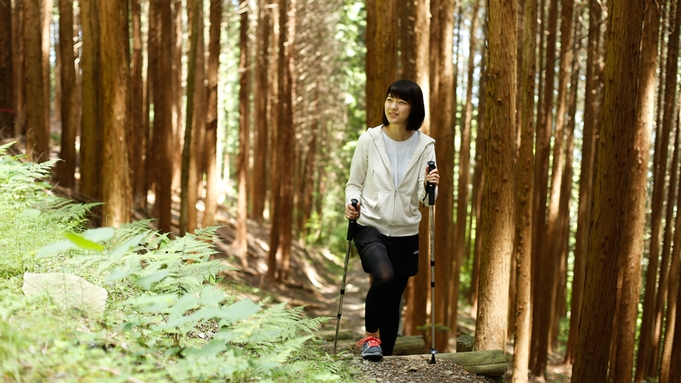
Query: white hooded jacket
{"x": 394, "y": 212}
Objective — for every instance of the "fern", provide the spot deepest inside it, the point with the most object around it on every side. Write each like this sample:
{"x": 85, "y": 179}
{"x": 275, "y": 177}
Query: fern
{"x": 166, "y": 319}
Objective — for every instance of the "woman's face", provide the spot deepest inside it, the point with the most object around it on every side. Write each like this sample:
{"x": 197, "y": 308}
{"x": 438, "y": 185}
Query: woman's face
{"x": 397, "y": 110}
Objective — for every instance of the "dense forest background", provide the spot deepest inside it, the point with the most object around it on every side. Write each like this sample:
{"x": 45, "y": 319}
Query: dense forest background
{"x": 557, "y": 135}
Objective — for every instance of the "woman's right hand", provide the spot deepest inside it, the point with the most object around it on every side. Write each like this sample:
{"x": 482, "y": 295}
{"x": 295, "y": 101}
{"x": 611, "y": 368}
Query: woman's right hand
{"x": 351, "y": 213}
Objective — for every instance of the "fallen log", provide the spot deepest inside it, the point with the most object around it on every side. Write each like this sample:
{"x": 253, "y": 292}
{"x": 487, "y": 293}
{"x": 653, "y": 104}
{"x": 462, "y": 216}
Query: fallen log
{"x": 488, "y": 363}
{"x": 404, "y": 345}
{"x": 343, "y": 334}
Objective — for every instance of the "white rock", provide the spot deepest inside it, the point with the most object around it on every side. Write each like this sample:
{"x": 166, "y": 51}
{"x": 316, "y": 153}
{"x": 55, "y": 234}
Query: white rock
{"x": 67, "y": 291}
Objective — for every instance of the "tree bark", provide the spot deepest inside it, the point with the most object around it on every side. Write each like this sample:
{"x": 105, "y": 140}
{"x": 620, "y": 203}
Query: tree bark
{"x": 675, "y": 368}
{"x": 524, "y": 191}
{"x": 163, "y": 118}
{"x": 616, "y": 157}
{"x": 381, "y": 56}
{"x": 193, "y": 14}
{"x": 497, "y": 211}
{"x": 417, "y": 68}
{"x": 670, "y": 324}
{"x": 259, "y": 189}
{"x": 241, "y": 241}
{"x": 668, "y": 114}
{"x": 442, "y": 130}
{"x": 651, "y": 322}
{"x": 624, "y": 339}
{"x": 542, "y": 262}
{"x": 211, "y": 137}
{"x": 478, "y": 177}
{"x": 553, "y": 244}
{"x": 198, "y": 126}
{"x": 19, "y": 84}
{"x": 138, "y": 135}
{"x": 37, "y": 135}
{"x": 7, "y": 108}
{"x": 66, "y": 169}
{"x": 46, "y": 23}
{"x": 586, "y": 175}
{"x": 91, "y": 134}
{"x": 281, "y": 236}
{"x": 116, "y": 195}
{"x": 464, "y": 170}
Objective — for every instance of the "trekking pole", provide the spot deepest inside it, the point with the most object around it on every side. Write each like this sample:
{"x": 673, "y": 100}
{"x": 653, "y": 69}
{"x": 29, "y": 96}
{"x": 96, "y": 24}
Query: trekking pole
{"x": 351, "y": 229}
{"x": 430, "y": 189}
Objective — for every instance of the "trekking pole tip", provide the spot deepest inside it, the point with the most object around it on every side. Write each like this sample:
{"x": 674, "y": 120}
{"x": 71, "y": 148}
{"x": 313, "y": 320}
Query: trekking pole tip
{"x": 432, "y": 356}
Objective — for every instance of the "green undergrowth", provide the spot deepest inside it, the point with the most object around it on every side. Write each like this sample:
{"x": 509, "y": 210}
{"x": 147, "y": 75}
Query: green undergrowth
{"x": 166, "y": 319}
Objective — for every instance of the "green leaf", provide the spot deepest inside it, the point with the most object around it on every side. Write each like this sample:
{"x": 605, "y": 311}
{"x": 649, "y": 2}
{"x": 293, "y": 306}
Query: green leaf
{"x": 163, "y": 300}
{"x": 186, "y": 302}
{"x": 83, "y": 243}
{"x": 148, "y": 280}
{"x": 29, "y": 213}
{"x": 212, "y": 295}
{"x": 118, "y": 252}
{"x": 211, "y": 349}
{"x": 239, "y": 310}
{"x": 54, "y": 248}
{"x": 118, "y": 273}
{"x": 100, "y": 234}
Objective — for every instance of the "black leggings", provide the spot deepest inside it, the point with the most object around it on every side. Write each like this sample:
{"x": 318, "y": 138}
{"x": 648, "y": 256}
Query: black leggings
{"x": 382, "y": 308}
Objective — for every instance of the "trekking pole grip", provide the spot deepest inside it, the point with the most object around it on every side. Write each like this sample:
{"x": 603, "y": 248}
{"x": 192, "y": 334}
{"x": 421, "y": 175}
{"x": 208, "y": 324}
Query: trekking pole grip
{"x": 430, "y": 187}
{"x": 351, "y": 224}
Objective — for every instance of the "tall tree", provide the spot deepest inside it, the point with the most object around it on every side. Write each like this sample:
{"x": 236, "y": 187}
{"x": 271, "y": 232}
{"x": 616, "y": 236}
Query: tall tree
{"x": 550, "y": 247}
{"x": 188, "y": 207}
{"x": 381, "y": 56}
{"x": 542, "y": 265}
{"x": 615, "y": 161}
{"x": 66, "y": 169}
{"x": 211, "y": 137}
{"x": 116, "y": 194}
{"x": 283, "y": 210}
{"x": 177, "y": 89}
{"x": 478, "y": 175}
{"x": 646, "y": 365}
{"x": 163, "y": 117}
{"x": 7, "y": 111}
{"x": 46, "y": 26}
{"x": 464, "y": 170}
{"x": 37, "y": 135}
{"x": 91, "y": 133}
{"x": 198, "y": 126}
{"x": 670, "y": 324}
{"x": 260, "y": 97}
{"x": 675, "y": 368}
{"x": 442, "y": 130}
{"x": 18, "y": 67}
{"x": 241, "y": 241}
{"x": 417, "y": 68}
{"x": 137, "y": 133}
{"x": 497, "y": 210}
{"x": 661, "y": 261}
{"x": 591, "y": 101}
{"x": 624, "y": 340}
{"x": 523, "y": 198}
{"x": 153, "y": 98}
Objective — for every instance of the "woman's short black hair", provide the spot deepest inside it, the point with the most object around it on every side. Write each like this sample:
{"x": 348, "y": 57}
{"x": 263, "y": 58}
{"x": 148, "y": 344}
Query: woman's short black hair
{"x": 411, "y": 92}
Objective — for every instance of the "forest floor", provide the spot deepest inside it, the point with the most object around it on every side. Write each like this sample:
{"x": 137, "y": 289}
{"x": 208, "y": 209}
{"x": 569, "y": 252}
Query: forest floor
{"x": 315, "y": 284}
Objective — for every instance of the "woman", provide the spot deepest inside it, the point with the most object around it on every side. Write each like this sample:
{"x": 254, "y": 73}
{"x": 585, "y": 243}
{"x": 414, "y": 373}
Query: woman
{"x": 388, "y": 177}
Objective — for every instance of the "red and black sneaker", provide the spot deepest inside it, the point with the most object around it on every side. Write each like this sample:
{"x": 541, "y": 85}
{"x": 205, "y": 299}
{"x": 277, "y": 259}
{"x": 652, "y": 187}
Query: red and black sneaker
{"x": 371, "y": 348}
